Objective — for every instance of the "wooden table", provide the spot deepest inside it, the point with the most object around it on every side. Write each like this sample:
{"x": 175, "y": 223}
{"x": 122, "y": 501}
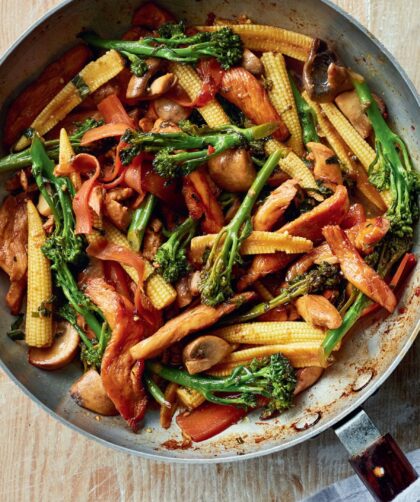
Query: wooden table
{"x": 42, "y": 460}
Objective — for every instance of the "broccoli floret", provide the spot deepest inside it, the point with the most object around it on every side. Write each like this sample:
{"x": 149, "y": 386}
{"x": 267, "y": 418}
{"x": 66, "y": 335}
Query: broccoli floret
{"x": 171, "y": 258}
{"x": 180, "y": 153}
{"x": 138, "y": 66}
{"x": 172, "y": 44}
{"x": 273, "y": 378}
{"x": 216, "y": 281}
{"x": 392, "y": 169}
{"x": 316, "y": 280}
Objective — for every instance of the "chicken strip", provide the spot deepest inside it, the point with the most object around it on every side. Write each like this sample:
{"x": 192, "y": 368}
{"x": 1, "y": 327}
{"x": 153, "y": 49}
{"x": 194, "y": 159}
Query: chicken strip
{"x": 188, "y": 322}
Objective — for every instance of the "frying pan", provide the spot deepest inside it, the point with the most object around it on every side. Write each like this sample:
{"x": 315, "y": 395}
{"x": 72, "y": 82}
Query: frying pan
{"x": 368, "y": 357}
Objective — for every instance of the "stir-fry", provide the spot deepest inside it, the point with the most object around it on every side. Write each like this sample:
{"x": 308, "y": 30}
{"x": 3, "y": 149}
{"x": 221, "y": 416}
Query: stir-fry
{"x": 198, "y": 216}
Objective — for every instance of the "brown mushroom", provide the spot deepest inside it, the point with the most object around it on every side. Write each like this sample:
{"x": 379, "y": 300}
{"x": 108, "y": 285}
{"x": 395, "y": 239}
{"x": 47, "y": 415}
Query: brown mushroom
{"x": 252, "y": 63}
{"x": 318, "y": 311}
{"x": 137, "y": 86}
{"x": 323, "y": 76}
{"x": 88, "y": 392}
{"x": 350, "y": 105}
{"x": 204, "y": 352}
{"x": 307, "y": 377}
{"x": 62, "y": 351}
{"x": 232, "y": 170}
{"x": 167, "y": 109}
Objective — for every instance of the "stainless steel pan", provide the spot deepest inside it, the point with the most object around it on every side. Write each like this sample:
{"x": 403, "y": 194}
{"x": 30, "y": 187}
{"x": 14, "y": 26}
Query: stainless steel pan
{"x": 369, "y": 356}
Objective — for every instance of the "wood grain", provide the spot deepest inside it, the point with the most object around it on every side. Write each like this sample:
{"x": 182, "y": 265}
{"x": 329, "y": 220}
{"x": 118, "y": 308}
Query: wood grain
{"x": 42, "y": 460}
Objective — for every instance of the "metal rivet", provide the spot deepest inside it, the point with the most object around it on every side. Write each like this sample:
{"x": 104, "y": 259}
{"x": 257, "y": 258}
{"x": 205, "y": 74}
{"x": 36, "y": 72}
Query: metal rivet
{"x": 307, "y": 421}
{"x": 362, "y": 380}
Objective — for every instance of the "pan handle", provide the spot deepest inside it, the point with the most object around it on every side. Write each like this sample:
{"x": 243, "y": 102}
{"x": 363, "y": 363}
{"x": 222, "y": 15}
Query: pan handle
{"x": 377, "y": 459}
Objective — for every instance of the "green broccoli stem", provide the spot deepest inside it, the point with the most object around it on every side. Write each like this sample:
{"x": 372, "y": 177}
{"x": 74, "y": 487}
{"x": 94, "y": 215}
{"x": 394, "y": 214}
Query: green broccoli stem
{"x": 139, "y": 222}
{"x": 306, "y": 115}
{"x": 334, "y": 336}
{"x": 392, "y": 167}
{"x": 216, "y": 283}
{"x": 207, "y": 385}
{"x": 155, "y": 391}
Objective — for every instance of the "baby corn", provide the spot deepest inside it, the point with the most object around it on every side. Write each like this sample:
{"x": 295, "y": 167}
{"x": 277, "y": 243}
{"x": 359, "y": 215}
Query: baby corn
{"x": 65, "y": 154}
{"x": 190, "y": 398}
{"x": 281, "y": 96}
{"x": 270, "y": 333}
{"x": 39, "y": 327}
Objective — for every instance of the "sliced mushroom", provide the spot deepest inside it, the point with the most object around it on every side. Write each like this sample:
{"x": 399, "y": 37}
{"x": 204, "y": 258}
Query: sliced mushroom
{"x": 137, "y": 86}
{"x": 88, "y": 392}
{"x": 307, "y": 377}
{"x": 204, "y": 352}
{"x": 232, "y": 170}
{"x": 43, "y": 207}
{"x": 323, "y": 77}
{"x": 62, "y": 351}
{"x": 318, "y": 311}
{"x": 350, "y": 105}
{"x": 169, "y": 110}
{"x": 161, "y": 85}
{"x": 252, "y": 63}
{"x": 326, "y": 166}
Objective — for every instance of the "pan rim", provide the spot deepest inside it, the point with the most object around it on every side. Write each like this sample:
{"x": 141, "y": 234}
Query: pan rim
{"x": 161, "y": 457}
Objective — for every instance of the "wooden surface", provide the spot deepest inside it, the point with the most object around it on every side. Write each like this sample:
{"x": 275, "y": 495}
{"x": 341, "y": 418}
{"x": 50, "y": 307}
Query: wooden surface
{"x": 42, "y": 460}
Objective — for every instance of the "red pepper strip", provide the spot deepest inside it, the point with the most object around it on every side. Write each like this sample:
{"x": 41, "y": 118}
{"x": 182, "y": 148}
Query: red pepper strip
{"x": 104, "y": 250}
{"x": 151, "y": 16}
{"x": 84, "y": 162}
{"x": 211, "y": 73}
{"x": 208, "y": 420}
{"x": 132, "y": 176}
{"x": 114, "y": 112}
{"x": 403, "y": 271}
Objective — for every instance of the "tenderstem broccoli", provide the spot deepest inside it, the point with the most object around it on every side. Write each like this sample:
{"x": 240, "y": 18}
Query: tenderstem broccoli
{"x": 20, "y": 160}
{"x": 173, "y": 44}
{"x": 216, "y": 281}
{"x": 171, "y": 257}
{"x": 306, "y": 115}
{"x": 272, "y": 378}
{"x": 179, "y": 153}
{"x": 64, "y": 248}
{"x": 392, "y": 168}
{"x": 139, "y": 222}
{"x": 318, "y": 279}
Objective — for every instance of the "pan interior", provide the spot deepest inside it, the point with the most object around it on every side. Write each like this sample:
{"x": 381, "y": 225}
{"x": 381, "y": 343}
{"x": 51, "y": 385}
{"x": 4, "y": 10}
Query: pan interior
{"x": 368, "y": 356}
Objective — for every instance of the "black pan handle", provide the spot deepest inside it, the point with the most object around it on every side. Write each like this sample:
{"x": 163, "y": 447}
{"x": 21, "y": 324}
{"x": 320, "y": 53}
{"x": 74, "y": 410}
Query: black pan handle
{"x": 378, "y": 460}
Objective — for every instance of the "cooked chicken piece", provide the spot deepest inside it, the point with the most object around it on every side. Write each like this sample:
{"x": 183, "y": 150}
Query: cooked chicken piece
{"x": 120, "y": 373}
{"x": 327, "y": 167}
{"x": 318, "y": 311}
{"x": 152, "y": 239}
{"x": 308, "y": 225}
{"x": 242, "y": 89}
{"x": 356, "y": 214}
{"x": 232, "y": 170}
{"x": 13, "y": 248}
{"x": 371, "y": 232}
{"x": 115, "y": 211}
{"x": 188, "y": 322}
{"x": 306, "y": 377}
{"x": 350, "y": 105}
{"x": 356, "y": 270}
{"x": 274, "y": 206}
{"x": 319, "y": 254}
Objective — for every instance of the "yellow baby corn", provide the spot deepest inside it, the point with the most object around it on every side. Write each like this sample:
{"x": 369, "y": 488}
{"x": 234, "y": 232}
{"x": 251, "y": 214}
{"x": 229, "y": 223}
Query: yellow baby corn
{"x": 300, "y": 354}
{"x": 361, "y": 148}
{"x": 281, "y": 96}
{"x": 294, "y": 166}
{"x": 39, "y": 327}
{"x": 259, "y": 242}
{"x": 265, "y": 38}
{"x": 189, "y": 80}
{"x": 93, "y": 76}
{"x": 190, "y": 398}
{"x": 270, "y": 333}
{"x": 65, "y": 154}
{"x": 160, "y": 292}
